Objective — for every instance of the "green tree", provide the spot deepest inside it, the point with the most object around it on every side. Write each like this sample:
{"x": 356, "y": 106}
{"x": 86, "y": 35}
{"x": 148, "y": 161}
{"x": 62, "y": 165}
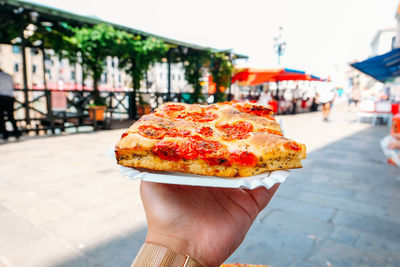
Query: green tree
{"x": 136, "y": 55}
{"x": 221, "y": 70}
{"x": 94, "y": 45}
{"x": 194, "y": 63}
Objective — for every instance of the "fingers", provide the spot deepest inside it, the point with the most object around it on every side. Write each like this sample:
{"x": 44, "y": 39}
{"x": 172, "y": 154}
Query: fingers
{"x": 262, "y": 196}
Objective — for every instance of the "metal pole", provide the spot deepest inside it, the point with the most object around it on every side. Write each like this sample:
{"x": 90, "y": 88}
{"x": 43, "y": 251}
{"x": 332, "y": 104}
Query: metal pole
{"x": 50, "y": 116}
{"x": 169, "y": 75}
{"x": 25, "y": 81}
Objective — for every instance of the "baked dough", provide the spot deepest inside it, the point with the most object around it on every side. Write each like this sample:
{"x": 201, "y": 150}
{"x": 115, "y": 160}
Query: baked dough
{"x": 225, "y": 139}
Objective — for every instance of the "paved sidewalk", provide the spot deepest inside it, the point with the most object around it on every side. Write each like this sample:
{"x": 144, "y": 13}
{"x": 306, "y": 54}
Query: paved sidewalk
{"x": 64, "y": 203}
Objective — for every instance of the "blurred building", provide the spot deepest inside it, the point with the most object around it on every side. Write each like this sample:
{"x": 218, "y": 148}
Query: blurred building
{"x": 383, "y": 41}
{"x": 62, "y": 75}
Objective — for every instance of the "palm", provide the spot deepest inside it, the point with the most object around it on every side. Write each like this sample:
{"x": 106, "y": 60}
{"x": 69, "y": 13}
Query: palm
{"x": 203, "y": 220}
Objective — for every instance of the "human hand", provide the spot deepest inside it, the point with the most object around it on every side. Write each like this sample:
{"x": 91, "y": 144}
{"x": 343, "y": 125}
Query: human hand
{"x": 205, "y": 223}
{"x": 394, "y": 144}
{"x": 395, "y": 135}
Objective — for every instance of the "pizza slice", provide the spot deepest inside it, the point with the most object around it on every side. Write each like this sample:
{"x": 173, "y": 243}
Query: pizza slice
{"x": 225, "y": 139}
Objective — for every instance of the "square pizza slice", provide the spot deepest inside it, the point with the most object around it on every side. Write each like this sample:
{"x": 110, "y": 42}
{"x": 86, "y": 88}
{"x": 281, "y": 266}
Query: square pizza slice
{"x": 225, "y": 139}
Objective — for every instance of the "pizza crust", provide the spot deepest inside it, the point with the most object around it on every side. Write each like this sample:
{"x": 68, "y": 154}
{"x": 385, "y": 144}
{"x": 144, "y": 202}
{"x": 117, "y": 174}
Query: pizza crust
{"x": 149, "y": 161}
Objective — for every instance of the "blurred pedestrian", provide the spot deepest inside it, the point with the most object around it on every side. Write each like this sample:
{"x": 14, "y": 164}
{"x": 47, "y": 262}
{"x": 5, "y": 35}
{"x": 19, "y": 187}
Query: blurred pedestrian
{"x": 295, "y": 98}
{"x": 355, "y": 95}
{"x": 7, "y": 105}
{"x": 326, "y": 97}
{"x": 265, "y": 97}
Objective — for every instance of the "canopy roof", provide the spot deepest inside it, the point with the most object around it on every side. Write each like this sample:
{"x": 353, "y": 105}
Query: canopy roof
{"x": 383, "y": 67}
{"x": 250, "y": 76}
{"x": 9, "y": 9}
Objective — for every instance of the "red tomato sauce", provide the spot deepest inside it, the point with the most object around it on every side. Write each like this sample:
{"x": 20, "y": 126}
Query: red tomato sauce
{"x": 292, "y": 145}
{"x": 237, "y": 130}
{"x": 178, "y": 133}
{"x": 198, "y": 116}
{"x": 243, "y": 158}
{"x": 270, "y": 131}
{"x": 206, "y": 131}
{"x": 173, "y": 107}
{"x": 152, "y": 132}
{"x": 124, "y": 134}
{"x": 254, "y": 109}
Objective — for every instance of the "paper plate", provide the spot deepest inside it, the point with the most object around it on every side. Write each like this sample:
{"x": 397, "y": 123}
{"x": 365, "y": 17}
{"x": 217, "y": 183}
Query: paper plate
{"x": 267, "y": 179}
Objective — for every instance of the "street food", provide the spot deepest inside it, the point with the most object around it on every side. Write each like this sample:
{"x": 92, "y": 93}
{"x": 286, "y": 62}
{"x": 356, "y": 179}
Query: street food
{"x": 225, "y": 139}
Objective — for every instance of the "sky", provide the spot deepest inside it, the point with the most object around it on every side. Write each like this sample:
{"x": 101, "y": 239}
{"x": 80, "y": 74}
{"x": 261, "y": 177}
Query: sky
{"x": 320, "y": 34}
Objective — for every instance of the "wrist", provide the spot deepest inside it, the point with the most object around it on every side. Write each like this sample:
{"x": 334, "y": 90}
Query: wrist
{"x": 151, "y": 254}
{"x": 175, "y": 243}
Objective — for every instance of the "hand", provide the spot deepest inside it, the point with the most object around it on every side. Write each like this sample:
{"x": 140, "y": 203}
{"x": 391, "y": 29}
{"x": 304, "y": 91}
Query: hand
{"x": 205, "y": 223}
{"x": 394, "y": 144}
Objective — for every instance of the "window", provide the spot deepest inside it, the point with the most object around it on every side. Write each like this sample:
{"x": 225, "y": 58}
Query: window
{"x": 48, "y": 72}
{"x": 104, "y": 78}
{"x": 161, "y": 76}
{"x": 173, "y": 77}
{"x": 72, "y": 75}
{"x": 16, "y": 67}
{"x": 179, "y": 77}
{"x": 33, "y": 68}
{"x": 16, "y": 49}
{"x": 112, "y": 63}
{"x": 119, "y": 78}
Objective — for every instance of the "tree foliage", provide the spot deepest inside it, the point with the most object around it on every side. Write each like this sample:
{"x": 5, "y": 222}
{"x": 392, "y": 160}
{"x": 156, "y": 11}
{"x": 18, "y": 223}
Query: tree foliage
{"x": 221, "y": 70}
{"x": 194, "y": 64}
{"x": 95, "y": 44}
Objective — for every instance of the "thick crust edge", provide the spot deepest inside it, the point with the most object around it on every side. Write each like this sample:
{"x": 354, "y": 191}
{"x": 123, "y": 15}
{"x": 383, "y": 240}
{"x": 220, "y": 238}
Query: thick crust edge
{"x": 198, "y": 166}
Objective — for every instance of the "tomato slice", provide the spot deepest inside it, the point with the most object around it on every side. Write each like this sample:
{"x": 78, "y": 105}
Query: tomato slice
{"x": 206, "y": 131}
{"x": 243, "y": 158}
{"x": 237, "y": 130}
{"x": 152, "y": 132}
{"x": 124, "y": 135}
{"x": 292, "y": 145}
{"x": 198, "y": 116}
{"x": 270, "y": 131}
{"x": 173, "y": 107}
{"x": 254, "y": 109}
{"x": 178, "y": 133}
{"x": 175, "y": 151}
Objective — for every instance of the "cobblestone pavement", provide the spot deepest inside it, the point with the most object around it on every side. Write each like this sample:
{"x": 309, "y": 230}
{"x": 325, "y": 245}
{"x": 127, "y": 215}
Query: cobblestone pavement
{"x": 64, "y": 203}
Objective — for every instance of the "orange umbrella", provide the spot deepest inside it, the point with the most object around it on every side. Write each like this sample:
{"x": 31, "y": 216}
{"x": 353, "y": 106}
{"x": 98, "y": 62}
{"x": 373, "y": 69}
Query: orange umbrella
{"x": 249, "y": 76}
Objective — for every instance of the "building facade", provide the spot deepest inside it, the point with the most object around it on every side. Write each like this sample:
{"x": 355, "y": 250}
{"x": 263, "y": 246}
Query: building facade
{"x": 60, "y": 74}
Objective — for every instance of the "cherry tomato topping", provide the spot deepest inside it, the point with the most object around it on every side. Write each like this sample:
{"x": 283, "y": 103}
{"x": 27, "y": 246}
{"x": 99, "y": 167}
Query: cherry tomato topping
{"x": 206, "y": 131}
{"x": 162, "y": 115}
{"x": 175, "y": 151}
{"x": 173, "y": 107}
{"x": 187, "y": 150}
{"x": 123, "y": 135}
{"x": 152, "y": 132}
{"x": 167, "y": 150}
{"x": 292, "y": 145}
{"x": 270, "y": 131}
{"x": 243, "y": 158}
{"x": 236, "y": 130}
{"x": 270, "y": 117}
{"x": 253, "y": 109}
{"x": 198, "y": 116}
{"x": 193, "y": 148}
{"x": 178, "y": 133}
{"x": 208, "y": 147}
